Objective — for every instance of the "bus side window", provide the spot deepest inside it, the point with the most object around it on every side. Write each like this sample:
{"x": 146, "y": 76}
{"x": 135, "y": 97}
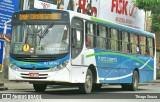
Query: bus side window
{"x": 88, "y": 41}
{"x": 134, "y": 42}
{"x": 108, "y": 38}
{"x": 119, "y": 41}
{"x": 90, "y": 35}
{"x": 101, "y": 39}
{"x": 147, "y": 50}
{"x": 114, "y": 39}
{"x": 151, "y": 46}
{"x": 128, "y": 47}
{"x": 74, "y": 41}
{"x": 137, "y": 49}
{"x": 125, "y": 42}
{"x": 147, "y": 46}
{"x": 143, "y": 45}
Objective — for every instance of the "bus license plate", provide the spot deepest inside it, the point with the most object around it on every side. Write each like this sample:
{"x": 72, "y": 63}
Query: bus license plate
{"x": 34, "y": 74}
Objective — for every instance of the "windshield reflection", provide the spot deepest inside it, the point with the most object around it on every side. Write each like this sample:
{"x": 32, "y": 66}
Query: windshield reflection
{"x": 40, "y": 39}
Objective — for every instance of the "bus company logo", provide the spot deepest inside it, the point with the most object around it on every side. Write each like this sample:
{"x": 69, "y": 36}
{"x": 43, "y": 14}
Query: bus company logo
{"x": 45, "y": 5}
{"x": 34, "y": 68}
{"x": 107, "y": 60}
{"x": 123, "y": 7}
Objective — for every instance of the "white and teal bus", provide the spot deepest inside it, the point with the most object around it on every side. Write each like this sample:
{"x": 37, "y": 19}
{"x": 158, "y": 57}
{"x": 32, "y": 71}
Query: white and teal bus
{"x": 65, "y": 47}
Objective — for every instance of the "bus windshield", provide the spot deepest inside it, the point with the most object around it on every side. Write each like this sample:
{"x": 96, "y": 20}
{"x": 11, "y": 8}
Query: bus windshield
{"x": 40, "y": 39}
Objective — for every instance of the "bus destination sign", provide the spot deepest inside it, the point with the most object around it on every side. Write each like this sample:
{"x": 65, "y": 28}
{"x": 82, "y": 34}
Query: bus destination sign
{"x": 52, "y": 16}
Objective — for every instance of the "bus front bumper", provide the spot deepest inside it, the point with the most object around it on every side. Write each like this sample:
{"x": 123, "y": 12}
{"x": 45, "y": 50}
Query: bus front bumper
{"x": 39, "y": 75}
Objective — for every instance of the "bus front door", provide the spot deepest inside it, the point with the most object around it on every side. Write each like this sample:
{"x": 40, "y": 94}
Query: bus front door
{"x": 76, "y": 47}
{"x": 77, "y": 40}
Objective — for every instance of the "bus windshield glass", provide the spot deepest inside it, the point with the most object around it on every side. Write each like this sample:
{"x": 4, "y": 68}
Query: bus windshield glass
{"x": 40, "y": 39}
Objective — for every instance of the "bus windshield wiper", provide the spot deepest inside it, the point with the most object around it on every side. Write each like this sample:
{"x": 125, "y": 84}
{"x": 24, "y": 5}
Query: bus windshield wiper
{"x": 44, "y": 32}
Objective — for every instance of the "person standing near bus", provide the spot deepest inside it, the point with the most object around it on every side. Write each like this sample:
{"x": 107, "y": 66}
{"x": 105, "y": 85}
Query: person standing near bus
{"x": 89, "y": 9}
{"x": 60, "y": 4}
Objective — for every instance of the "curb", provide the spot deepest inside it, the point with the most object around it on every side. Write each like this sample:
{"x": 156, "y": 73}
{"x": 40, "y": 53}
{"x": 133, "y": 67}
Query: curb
{"x": 156, "y": 81}
{"x": 1, "y": 84}
{"x": 150, "y": 83}
{"x": 2, "y": 87}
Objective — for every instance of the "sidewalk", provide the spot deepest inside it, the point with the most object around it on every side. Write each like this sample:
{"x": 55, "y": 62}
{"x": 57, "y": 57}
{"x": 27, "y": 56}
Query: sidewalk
{"x": 15, "y": 85}
{"x": 2, "y": 87}
{"x": 11, "y": 85}
{"x": 155, "y": 81}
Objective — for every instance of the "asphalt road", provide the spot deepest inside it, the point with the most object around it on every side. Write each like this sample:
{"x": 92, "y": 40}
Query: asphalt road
{"x": 22, "y": 90}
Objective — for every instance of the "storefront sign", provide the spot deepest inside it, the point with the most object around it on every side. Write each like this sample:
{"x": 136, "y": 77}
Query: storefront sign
{"x": 123, "y": 12}
{"x": 45, "y": 4}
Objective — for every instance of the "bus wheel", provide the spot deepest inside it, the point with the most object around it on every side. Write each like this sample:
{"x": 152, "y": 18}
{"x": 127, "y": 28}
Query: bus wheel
{"x": 39, "y": 87}
{"x": 87, "y": 86}
{"x": 135, "y": 81}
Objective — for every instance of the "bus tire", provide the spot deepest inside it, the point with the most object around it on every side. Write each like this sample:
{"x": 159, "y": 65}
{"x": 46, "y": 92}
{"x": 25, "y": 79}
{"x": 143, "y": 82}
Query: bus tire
{"x": 135, "y": 80}
{"x": 87, "y": 86}
{"x": 39, "y": 87}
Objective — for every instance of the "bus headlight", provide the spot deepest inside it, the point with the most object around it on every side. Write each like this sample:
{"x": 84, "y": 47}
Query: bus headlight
{"x": 61, "y": 66}
{"x": 14, "y": 67}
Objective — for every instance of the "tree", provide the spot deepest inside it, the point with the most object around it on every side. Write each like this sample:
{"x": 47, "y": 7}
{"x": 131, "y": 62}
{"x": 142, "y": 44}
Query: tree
{"x": 153, "y": 6}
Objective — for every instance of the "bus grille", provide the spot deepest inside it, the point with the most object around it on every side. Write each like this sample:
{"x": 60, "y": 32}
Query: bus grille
{"x": 35, "y": 69}
{"x": 34, "y": 77}
{"x": 29, "y": 59}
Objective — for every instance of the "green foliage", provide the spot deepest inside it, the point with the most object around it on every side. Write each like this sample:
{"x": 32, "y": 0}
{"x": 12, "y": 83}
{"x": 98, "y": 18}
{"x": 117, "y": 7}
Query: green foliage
{"x": 154, "y": 7}
{"x": 155, "y": 22}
